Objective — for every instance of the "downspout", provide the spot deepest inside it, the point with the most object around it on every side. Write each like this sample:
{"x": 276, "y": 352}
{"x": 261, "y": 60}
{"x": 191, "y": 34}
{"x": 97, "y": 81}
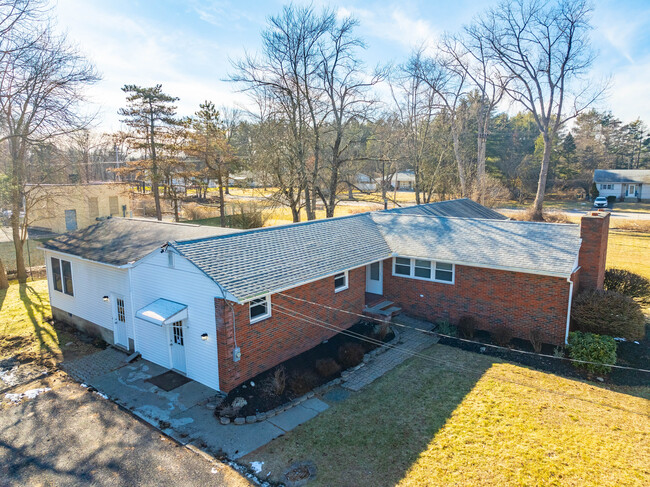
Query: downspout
{"x": 568, "y": 314}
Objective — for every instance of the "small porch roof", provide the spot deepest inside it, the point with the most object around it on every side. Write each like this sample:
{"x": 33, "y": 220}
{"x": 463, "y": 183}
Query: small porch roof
{"x": 163, "y": 312}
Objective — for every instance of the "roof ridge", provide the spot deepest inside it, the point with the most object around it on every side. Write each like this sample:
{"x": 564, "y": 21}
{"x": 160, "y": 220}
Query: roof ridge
{"x": 420, "y": 215}
{"x": 277, "y": 227}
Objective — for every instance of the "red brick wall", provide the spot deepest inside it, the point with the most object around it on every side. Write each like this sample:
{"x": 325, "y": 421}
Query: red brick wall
{"x": 594, "y": 231}
{"x": 516, "y": 300}
{"x": 271, "y": 341}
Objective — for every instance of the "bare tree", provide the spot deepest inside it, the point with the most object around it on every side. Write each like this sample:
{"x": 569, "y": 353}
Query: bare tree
{"x": 347, "y": 102}
{"x": 149, "y": 112}
{"x": 469, "y": 55}
{"x": 542, "y": 49}
{"x": 41, "y": 88}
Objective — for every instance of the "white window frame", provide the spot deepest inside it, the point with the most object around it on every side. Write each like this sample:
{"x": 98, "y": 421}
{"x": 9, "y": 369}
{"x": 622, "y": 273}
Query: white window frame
{"x": 433, "y": 270}
{"x": 344, "y": 286}
{"x": 265, "y": 315}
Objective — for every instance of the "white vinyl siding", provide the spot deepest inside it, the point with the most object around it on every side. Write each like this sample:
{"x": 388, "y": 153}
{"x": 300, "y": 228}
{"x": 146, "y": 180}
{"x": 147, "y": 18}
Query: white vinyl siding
{"x": 92, "y": 281}
{"x": 426, "y": 270}
{"x": 152, "y": 278}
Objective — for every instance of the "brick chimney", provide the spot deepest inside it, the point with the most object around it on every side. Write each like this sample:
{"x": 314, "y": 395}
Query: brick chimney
{"x": 594, "y": 230}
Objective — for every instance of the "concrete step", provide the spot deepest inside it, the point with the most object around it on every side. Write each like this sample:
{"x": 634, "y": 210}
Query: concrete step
{"x": 379, "y": 306}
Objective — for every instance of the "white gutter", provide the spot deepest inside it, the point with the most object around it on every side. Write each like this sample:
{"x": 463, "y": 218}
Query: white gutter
{"x": 568, "y": 314}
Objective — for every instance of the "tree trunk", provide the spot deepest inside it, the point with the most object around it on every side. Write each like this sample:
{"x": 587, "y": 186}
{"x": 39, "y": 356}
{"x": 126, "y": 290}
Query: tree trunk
{"x": 17, "y": 185}
{"x": 480, "y": 167}
{"x": 541, "y": 184}
{"x": 310, "y": 208}
{"x": 4, "y": 281}
{"x": 222, "y": 201}
{"x": 295, "y": 212}
{"x": 459, "y": 162}
{"x": 175, "y": 196}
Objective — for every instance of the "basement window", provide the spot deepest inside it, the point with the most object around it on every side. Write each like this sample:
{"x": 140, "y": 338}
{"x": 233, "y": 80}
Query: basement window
{"x": 260, "y": 309}
{"x": 341, "y": 282}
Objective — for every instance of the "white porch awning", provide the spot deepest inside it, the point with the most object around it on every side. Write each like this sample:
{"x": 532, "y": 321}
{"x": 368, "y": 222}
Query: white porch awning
{"x": 163, "y": 312}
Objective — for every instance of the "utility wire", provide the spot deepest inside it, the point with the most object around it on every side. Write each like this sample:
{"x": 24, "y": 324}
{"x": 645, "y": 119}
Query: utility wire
{"x": 423, "y": 330}
{"x": 461, "y": 368}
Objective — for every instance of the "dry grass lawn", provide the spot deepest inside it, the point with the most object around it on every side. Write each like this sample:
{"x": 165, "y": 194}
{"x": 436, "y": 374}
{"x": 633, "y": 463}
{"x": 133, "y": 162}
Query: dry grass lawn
{"x": 25, "y": 331}
{"x": 431, "y": 424}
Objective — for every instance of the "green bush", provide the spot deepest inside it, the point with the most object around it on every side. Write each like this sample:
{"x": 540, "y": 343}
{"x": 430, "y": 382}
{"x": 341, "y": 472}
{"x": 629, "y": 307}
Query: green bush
{"x": 592, "y": 348}
{"x": 628, "y": 283}
{"x": 608, "y": 313}
{"x": 467, "y": 326}
{"x": 445, "y": 328}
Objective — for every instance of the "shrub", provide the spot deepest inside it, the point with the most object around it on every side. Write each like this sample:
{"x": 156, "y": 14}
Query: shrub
{"x": 536, "y": 337}
{"x": 275, "y": 384}
{"x": 445, "y": 328}
{"x": 501, "y": 335}
{"x": 467, "y": 326}
{"x": 628, "y": 283}
{"x": 592, "y": 348}
{"x": 350, "y": 354}
{"x": 608, "y": 313}
{"x": 248, "y": 216}
{"x": 327, "y": 367}
{"x": 303, "y": 381}
{"x": 194, "y": 211}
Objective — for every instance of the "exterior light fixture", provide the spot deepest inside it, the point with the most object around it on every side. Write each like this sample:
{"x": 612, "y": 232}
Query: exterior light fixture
{"x": 105, "y": 298}
{"x": 204, "y": 337}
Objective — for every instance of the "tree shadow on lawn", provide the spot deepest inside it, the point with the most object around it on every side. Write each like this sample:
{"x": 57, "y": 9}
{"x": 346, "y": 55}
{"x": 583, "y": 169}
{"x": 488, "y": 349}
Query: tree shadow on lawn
{"x": 427, "y": 418}
{"x": 46, "y": 336}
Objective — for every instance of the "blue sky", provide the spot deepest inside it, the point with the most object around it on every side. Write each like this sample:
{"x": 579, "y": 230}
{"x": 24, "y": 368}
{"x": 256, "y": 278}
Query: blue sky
{"x": 187, "y": 45}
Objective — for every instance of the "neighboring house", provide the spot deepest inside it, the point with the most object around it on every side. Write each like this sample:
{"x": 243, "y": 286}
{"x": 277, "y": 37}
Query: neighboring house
{"x": 624, "y": 184}
{"x": 67, "y": 207}
{"x": 224, "y": 308}
{"x": 363, "y": 182}
{"x": 403, "y": 180}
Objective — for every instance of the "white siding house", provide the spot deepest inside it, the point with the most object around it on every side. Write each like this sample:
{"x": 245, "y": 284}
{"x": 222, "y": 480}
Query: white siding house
{"x": 100, "y": 279}
{"x": 153, "y": 278}
{"x": 623, "y": 184}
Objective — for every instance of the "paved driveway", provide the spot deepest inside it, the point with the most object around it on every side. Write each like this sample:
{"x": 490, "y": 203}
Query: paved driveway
{"x": 70, "y": 436}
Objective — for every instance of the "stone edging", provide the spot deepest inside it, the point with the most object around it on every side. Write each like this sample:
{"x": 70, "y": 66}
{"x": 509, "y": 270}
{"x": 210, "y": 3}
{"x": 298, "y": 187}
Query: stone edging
{"x": 318, "y": 390}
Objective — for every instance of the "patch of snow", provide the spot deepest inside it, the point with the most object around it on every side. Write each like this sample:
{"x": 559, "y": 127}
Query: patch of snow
{"x": 83, "y": 384}
{"x": 100, "y": 394}
{"x": 636, "y": 342}
{"x": 9, "y": 376}
{"x": 30, "y": 394}
{"x": 257, "y": 466}
{"x": 252, "y": 384}
{"x": 618, "y": 339}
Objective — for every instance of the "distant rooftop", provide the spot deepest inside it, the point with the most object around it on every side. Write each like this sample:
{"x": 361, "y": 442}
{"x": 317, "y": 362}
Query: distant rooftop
{"x": 463, "y": 207}
{"x": 622, "y": 176}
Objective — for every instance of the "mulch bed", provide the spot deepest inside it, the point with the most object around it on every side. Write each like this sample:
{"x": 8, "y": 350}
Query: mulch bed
{"x": 300, "y": 372}
{"x": 629, "y": 354}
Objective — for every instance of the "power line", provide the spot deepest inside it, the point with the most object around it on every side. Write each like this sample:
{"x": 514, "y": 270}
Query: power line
{"x": 423, "y": 330}
{"x": 461, "y": 368}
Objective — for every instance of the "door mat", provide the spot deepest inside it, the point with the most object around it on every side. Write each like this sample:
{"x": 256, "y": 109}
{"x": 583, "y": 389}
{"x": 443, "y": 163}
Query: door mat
{"x": 169, "y": 380}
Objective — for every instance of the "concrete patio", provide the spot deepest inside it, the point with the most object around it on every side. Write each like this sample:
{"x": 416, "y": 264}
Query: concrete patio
{"x": 185, "y": 413}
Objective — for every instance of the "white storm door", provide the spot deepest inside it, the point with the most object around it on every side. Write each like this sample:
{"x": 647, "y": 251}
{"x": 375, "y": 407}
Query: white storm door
{"x": 120, "y": 336}
{"x": 178, "y": 346}
{"x": 374, "y": 278}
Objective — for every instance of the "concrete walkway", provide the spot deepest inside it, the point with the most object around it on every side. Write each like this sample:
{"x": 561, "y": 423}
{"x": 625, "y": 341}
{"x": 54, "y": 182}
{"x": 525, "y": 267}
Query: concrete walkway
{"x": 409, "y": 339}
{"x": 186, "y": 413}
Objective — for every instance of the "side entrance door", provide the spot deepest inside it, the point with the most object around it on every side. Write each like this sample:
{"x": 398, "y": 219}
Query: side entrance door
{"x": 178, "y": 347}
{"x": 70, "y": 220}
{"x": 120, "y": 335}
{"x": 374, "y": 278}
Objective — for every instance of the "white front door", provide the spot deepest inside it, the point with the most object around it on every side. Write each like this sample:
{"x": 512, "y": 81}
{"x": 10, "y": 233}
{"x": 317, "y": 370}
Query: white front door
{"x": 178, "y": 346}
{"x": 631, "y": 189}
{"x": 120, "y": 337}
{"x": 374, "y": 278}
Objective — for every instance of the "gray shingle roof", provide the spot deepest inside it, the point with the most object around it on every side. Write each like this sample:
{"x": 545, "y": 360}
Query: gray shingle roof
{"x": 118, "y": 241}
{"x": 267, "y": 260}
{"x": 256, "y": 262}
{"x": 622, "y": 176}
{"x": 527, "y": 246}
{"x": 463, "y": 207}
